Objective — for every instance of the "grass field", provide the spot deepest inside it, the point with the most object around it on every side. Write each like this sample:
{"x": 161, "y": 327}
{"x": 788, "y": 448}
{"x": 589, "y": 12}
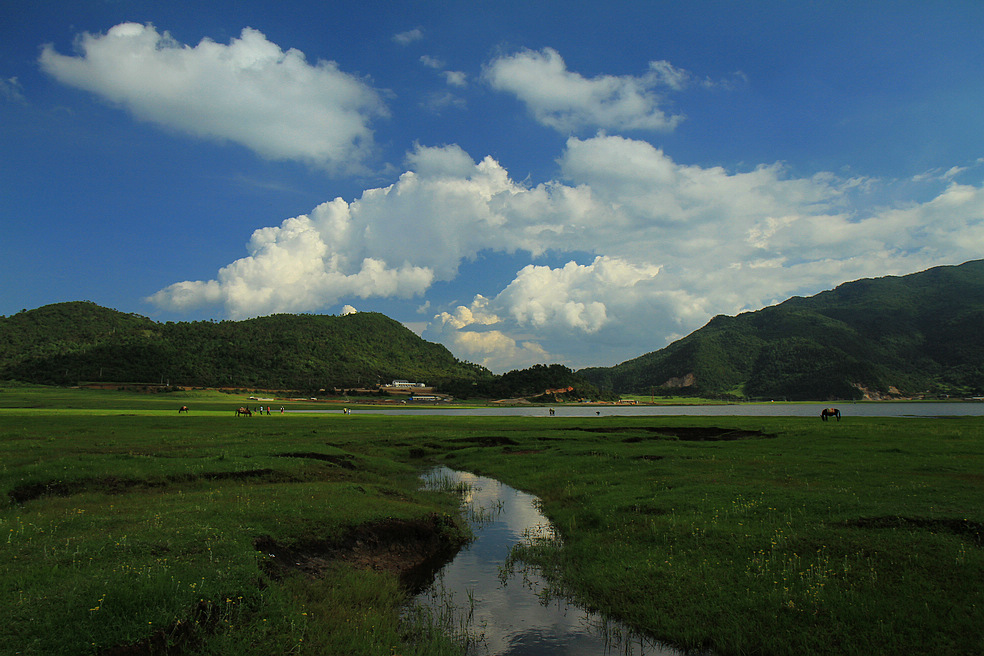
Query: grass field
{"x": 128, "y": 529}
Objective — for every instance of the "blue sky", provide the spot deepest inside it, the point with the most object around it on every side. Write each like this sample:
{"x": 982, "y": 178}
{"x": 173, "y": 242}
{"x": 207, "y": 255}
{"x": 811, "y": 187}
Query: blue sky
{"x": 525, "y": 183}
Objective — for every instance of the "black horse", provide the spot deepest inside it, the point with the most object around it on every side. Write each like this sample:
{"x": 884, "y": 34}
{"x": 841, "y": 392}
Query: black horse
{"x": 183, "y": 408}
{"x": 243, "y": 411}
{"x": 830, "y": 412}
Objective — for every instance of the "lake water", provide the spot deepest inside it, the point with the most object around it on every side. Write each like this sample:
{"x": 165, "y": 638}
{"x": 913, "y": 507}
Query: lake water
{"x": 848, "y": 410}
{"x": 502, "y": 612}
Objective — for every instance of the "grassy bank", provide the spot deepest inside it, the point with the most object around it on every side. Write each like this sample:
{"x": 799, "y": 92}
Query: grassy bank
{"x": 782, "y": 536}
{"x": 123, "y": 534}
{"x": 124, "y": 526}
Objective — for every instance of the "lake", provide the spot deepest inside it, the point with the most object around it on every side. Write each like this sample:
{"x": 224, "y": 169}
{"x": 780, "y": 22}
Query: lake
{"x": 848, "y": 410}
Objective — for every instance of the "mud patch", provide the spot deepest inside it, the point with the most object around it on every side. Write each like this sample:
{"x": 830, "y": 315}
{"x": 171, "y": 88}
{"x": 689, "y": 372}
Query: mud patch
{"x": 345, "y": 461}
{"x": 115, "y": 485}
{"x": 973, "y": 531}
{"x": 181, "y": 636}
{"x": 489, "y": 440}
{"x": 413, "y": 550}
{"x": 682, "y": 433}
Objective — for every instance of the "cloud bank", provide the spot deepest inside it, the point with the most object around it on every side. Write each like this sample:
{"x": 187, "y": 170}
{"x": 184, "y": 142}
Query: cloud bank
{"x": 248, "y": 92}
{"x": 672, "y": 245}
{"x": 624, "y": 246}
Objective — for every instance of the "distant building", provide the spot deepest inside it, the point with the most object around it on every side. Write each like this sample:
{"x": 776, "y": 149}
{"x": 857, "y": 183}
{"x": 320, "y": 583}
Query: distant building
{"x": 405, "y": 383}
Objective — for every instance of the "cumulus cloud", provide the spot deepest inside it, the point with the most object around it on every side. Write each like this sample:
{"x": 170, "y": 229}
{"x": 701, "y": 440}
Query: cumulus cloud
{"x": 293, "y": 266}
{"x": 490, "y": 348}
{"x": 670, "y": 246}
{"x": 568, "y": 101}
{"x": 250, "y": 92}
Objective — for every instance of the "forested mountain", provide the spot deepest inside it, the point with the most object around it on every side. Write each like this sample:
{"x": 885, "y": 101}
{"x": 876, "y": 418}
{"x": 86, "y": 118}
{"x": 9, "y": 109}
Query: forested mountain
{"x": 921, "y": 333}
{"x": 80, "y": 341}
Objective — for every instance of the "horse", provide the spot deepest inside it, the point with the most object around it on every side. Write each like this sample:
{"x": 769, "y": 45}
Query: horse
{"x": 183, "y": 408}
{"x": 244, "y": 411}
{"x": 830, "y": 412}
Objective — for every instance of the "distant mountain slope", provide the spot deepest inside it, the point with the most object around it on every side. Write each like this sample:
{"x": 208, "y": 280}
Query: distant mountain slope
{"x": 81, "y": 341}
{"x": 912, "y": 334}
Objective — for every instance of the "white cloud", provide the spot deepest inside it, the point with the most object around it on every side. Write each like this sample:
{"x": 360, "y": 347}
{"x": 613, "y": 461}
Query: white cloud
{"x": 490, "y": 348}
{"x": 348, "y": 309}
{"x": 567, "y": 101}
{"x": 438, "y": 101}
{"x": 431, "y": 62}
{"x": 569, "y": 298}
{"x": 298, "y": 266}
{"x": 452, "y": 78}
{"x": 249, "y": 92}
{"x": 12, "y": 90}
{"x": 672, "y": 246}
{"x": 408, "y": 37}
{"x": 475, "y": 314}
{"x": 455, "y": 78}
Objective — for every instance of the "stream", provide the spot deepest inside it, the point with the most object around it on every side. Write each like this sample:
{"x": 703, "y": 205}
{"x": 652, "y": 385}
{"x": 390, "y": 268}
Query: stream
{"x": 509, "y": 613}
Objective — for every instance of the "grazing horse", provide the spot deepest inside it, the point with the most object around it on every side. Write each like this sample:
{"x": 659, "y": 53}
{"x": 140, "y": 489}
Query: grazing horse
{"x": 244, "y": 411}
{"x": 183, "y": 408}
{"x": 830, "y": 412}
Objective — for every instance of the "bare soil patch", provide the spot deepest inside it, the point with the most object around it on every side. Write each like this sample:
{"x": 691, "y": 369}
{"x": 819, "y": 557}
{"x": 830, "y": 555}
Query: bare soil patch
{"x": 119, "y": 485}
{"x": 684, "y": 433}
{"x": 345, "y": 461}
{"x": 412, "y": 549}
{"x": 972, "y": 531}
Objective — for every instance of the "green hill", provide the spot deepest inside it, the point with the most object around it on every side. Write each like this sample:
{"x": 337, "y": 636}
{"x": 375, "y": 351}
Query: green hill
{"x": 908, "y": 335}
{"x": 80, "y": 341}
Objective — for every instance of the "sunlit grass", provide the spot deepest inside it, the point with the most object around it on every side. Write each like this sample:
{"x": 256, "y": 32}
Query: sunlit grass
{"x": 121, "y": 525}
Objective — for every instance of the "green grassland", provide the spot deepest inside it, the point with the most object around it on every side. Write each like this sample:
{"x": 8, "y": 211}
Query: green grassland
{"x": 126, "y": 528}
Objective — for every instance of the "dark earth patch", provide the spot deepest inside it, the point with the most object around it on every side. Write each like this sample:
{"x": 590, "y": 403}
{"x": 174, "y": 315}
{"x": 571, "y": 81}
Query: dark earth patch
{"x": 489, "y": 440}
{"x": 973, "y": 531}
{"x": 684, "y": 433}
{"x": 414, "y": 550}
{"x": 116, "y": 485}
{"x": 345, "y": 461}
{"x": 181, "y": 636}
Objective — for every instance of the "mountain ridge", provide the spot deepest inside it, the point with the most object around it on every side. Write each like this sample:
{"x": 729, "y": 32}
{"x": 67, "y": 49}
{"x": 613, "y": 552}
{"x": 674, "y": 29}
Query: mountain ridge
{"x": 64, "y": 343}
{"x": 919, "y": 334}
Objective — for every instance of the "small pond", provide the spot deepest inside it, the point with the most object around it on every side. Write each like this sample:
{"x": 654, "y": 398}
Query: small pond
{"x": 508, "y": 613}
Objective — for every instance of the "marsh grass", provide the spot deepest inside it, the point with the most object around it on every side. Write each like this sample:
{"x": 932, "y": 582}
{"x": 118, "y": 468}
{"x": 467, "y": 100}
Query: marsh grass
{"x": 122, "y": 523}
{"x": 130, "y": 531}
{"x": 862, "y": 538}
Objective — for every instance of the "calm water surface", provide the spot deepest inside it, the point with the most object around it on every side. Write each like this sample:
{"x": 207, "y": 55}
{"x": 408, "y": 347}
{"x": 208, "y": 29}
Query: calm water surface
{"x": 501, "y": 612}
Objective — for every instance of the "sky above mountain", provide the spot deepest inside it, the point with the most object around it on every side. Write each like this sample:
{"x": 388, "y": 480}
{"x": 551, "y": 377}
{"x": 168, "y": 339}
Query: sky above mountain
{"x": 547, "y": 182}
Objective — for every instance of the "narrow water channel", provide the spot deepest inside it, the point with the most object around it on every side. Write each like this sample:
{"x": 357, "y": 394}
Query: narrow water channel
{"x": 501, "y": 612}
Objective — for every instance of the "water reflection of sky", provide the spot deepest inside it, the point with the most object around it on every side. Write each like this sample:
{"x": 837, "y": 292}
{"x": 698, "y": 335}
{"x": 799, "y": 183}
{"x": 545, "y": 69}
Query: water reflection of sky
{"x": 507, "y": 617}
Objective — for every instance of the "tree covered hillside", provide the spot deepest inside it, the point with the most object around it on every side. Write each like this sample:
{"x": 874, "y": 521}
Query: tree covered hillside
{"x": 921, "y": 333}
{"x": 81, "y": 341}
